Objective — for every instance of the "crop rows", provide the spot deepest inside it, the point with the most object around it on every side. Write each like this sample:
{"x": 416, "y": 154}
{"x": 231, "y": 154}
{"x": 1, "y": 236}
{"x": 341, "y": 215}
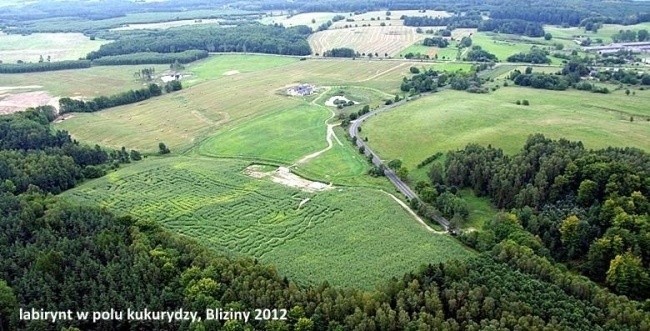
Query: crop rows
{"x": 381, "y": 40}
{"x": 232, "y": 212}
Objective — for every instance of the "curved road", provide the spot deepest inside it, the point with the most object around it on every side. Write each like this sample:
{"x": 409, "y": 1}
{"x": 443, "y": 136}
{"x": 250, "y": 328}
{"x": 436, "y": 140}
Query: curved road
{"x": 390, "y": 174}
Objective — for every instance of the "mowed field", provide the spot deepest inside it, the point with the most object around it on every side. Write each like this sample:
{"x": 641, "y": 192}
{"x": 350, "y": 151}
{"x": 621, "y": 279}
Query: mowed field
{"x": 59, "y": 46}
{"x": 219, "y": 102}
{"x": 90, "y": 82}
{"x": 374, "y": 39}
{"x": 450, "y": 120}
{"x": 347, "y": 236}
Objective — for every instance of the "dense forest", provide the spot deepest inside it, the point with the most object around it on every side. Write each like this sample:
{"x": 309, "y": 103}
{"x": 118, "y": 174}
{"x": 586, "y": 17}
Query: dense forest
{"x": 586, "y": 207}
{"x": 36, "y": 158}
{"x": 251, "y": 38}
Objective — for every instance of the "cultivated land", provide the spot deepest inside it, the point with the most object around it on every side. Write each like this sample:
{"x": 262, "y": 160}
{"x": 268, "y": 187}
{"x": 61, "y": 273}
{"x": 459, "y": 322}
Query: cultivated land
{"x": 59, "y": 46}
{"x": 90, "y": 82}
{"x": 222, "y": 101}
{"x": 350, "y": 234}
{"x": 373, "y": 39}
{"x": 347, "y": 236}
{"x": 440, "y": 122}
{"x": 165, "y": 25}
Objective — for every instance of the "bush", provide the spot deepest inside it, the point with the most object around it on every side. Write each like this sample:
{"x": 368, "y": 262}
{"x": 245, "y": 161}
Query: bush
{"x": 525, "y": 102}
{"x": 518, "y": 102}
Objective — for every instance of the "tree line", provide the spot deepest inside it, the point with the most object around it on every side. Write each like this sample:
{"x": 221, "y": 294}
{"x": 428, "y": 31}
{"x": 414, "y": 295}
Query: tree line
{"x": 151, "y": 58}
{"x": 69, "y": 105}
{"x": 124, "y": 59}
{"x": 512, "y": 26}
{"x": 536, "y": 56}
{"x": 588, "y": 208}
{"x": 271, "y": 39}
{"x": 16, "y": 68}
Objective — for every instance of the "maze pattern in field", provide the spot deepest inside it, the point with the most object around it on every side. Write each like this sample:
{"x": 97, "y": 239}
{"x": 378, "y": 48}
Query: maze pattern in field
{"x": 232, "y": 212}
{"x": 374, "y": 39}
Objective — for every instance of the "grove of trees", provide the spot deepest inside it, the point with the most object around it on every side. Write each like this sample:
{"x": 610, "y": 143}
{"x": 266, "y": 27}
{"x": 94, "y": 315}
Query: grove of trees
{"x": 588, "y": 208}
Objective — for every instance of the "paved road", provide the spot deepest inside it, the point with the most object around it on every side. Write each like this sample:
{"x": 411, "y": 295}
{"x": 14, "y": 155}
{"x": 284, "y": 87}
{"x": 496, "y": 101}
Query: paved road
{"x": 390, "y": 174}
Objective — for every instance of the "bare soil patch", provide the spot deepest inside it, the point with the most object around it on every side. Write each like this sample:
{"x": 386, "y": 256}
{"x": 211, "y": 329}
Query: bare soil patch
{"x": 15, "y": 102}
{"x": 284, "y": 176}
{"x": 231, "y": 72}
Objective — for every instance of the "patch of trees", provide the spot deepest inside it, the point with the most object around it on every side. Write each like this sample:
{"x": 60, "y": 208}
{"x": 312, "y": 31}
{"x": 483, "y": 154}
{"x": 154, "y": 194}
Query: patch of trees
{"x": 429, "y": 81}
{"x": 151, "y": 58}
{"x": 68, "y": 252}
{"x": 540, "y": 80}
{"x": 536, "y": 55}
{"x": 586, "y": 207}
{"x": 69, "y": 105}
{"x": 469, "y": 20}
{"x": 545, "y": 15}
{"x": 630, "y": 35}
{"x": 436, "y": 41}
{"x": 340, "y": 52}
{"x": 249, "y": 38}
{"x": 34, "y": 157}
{"x": 11, "y": 68}
{"x": 478, "y": 54}
{"x": 512, "y": 26}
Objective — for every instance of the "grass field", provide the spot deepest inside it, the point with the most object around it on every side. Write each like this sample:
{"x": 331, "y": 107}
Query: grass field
{"x": 347, "y": 236}
{"x": 59, "y": 46}
{"x": 219, "y": 102}
{"x": 480, "y": 209}
{"x": 282, "y": 136}
{"x": 605, "y": 33}
{"x": 88, "y": 82}
{"x": 442, "y": 122}
{"x": 375, "y": 39}
{"x": 220, "y": 65}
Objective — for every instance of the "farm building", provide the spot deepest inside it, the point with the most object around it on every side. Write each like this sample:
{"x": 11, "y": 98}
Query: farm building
{"x": 636, "y": 47}
{"x": 301, "y": 90}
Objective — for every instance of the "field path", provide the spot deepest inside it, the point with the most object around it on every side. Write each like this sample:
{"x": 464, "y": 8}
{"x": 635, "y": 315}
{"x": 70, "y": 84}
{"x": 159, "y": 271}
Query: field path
{"x": 382, "y": 73}
{"x": 410, "y": 211}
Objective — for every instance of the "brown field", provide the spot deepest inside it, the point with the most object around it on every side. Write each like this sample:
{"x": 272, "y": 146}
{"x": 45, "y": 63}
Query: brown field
{"x": 375, "y": 39}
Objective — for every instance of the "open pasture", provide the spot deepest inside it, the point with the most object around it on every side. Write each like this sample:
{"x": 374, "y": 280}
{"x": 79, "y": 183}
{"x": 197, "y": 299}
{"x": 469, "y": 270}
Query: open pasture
{"x": 281, "y": 136}
{"x": 375, "y": 39}
{"x": 347, "y": 236}
{"x": 441, "y": 122}
{"x": 58, "y": 46}
{"x": 89, "y": 82}
{"x": 184, "y": 118}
